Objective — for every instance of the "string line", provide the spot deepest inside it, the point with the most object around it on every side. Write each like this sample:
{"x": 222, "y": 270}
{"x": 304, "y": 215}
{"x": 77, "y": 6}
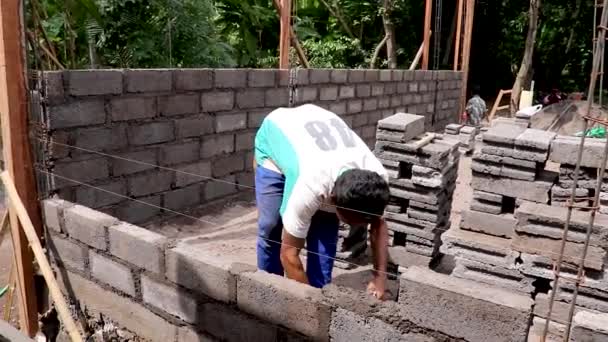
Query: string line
{"x": 542, "y": 252}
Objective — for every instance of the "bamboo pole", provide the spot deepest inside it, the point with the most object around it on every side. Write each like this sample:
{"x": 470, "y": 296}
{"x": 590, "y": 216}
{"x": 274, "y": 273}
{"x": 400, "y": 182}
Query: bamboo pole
{"x": 470, "y": 13}
{"x": 428, "y": 11}
{"x": 28, "y": 227}
{"x": 294, "y": 39}
{"x": 284, "y": 43}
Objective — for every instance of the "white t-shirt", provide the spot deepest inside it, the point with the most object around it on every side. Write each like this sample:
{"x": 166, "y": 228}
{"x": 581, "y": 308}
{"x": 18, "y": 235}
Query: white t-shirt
{"x": 311, "y": 146}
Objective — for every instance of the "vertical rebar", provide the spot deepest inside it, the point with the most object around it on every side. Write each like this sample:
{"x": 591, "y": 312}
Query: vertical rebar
{"x": 598, "y": 51}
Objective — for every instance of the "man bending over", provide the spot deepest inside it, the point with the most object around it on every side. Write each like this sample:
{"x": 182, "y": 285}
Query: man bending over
{"x": 312, "y": 170}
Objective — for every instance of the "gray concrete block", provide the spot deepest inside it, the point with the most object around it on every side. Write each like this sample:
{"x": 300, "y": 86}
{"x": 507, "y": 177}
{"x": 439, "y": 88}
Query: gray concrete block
{"x": 217, "y": 144}
{"x": 505, "y": 278}
{"x": 179, "y": 104}
{"x": 588, "y": 298}
{"x": 150, "y": 183}
{"x": 487, "y": 196}
{"x": 503, "y": 134}
{"x": 479, "y": 247}
{"x": 555, "y": 332}
{"x": 194, "y": 126}
{"x": 399, "y": 255}
{"x": 363, "y": 90}
{"x": 377, "y": 89}
{"x": 347, "y": 92}
{"x": 409, "y": 124}
{"x": 278, "y": 97}
{"x": 133, "y": 162}
{"x": 52, "y": 210}
{"x": 193, "y": 267}
{"x": 370, "y": 104}
{"x": 250, "y": 98}
{"x": 131, "y": 315}
{"x": 180, "y": 153}
{"x": 67, "y": 252}
{"x": 280, "y": 295}
{"x": 509, "y": 121}
{"x": 262, "y": 78}
{"x": 111, "y": 193}
{"x": 564, "y": 150}
{"x": 53, "y": 86}
{"x": 138, "y": 246}
{"x": 230, "y": 78}
{"x": 537, "y": 139}
{"x": 217, "y": 101}
{"x": 100, "y": 139}
{"x": 306, "y": 94}
{"x": 499, "y": 159}
{"x": 169, "y": 299}
{"x": 537, "y": 191}
{"x": 356, "y": 76}
{"x": 338, "y": 108}
{"x": 74, "y": 114}
{"x": 112, "y": 273}
{"x": 227, "y": 165}
{"x": 11, "y": 333}
{"x": 94, "y": 82}
{"x": 255, "y": 118}
{"x": 230, "y": 122}
{"x": 318, "y": 76}
{"x": 139, "y": 210}
{"x": 559, "y": 311}
{"x": 148, "y": 80}
{"x": 88, "y": 225}
{"x": 151, "y": 133}
{"x": 548, "y": 221}
{"x": 503, "y": 170}
{"x": 497, "y": 225}
{"x": 486, "y": 207}
{"x": 372, "y": 75}
{"x": 132, "y": 108}
{"x": 244, "y": 141}
{"x": 551, "y": 247}
{"x": 589, "y": 327}
{"x": 348, "y": 326}
{"x": 467, "y": 308}
{"x": 192, "y": 173}
{"x": 184, "y": 198}
{"x": 193, "y": 79}
{"x": 214, "y": 189}
{"x": 339, "y": 75}
{"x": 329, "y": 93}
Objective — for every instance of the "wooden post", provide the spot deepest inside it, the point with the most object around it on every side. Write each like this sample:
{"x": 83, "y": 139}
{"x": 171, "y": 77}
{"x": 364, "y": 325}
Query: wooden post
{"x": 458, "y": 35}
{"x": 428, "y": 12}
{"x": 294, "y": 39}
{"x": 285, "y": 34}
{"x": 17, "y": 155}
{"x": 466, "y": 53}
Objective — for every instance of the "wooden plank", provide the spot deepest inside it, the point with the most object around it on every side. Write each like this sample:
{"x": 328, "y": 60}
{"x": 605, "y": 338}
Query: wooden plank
{"x": 17, "y": 158}
{"x": 468, "y": 32}
{"x": 458, "y": 35}
{"x": 496, "y": 105}
{"x": 43, "y": 263}
{"x": 294, "y": 38}
{"x": 284, "y": 37}
{"x": 428, "y": 12}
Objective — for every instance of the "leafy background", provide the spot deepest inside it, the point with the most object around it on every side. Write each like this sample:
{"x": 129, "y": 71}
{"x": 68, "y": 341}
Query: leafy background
{"x": 333, "y": 33}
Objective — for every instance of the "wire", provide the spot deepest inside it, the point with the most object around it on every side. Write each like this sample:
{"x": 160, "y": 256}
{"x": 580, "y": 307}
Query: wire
{"x": 541, "y": 251}
{"x": 202, "y": 220}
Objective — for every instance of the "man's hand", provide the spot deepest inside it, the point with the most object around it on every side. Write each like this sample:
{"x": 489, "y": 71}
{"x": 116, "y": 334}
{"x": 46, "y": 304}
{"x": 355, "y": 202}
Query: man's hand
{"x": 377, "y": 287}
{"x": 379, "y": 244}
{"x": 290, "y": 258}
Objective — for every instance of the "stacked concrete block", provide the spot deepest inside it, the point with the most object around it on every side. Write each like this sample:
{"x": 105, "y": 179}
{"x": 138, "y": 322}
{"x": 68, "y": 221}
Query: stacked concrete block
{"x": 465, "y": 134}
{"x": 422, "y": 181}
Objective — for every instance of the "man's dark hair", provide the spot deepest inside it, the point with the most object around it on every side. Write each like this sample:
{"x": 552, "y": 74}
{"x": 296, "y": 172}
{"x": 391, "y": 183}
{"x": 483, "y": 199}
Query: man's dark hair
{"x": 476, "y": 89}
{"x": 363, "y": 192}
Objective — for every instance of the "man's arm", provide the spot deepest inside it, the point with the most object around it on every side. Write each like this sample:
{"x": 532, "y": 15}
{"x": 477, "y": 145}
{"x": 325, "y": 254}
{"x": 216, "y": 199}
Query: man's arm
{"x": 379, "y": 244}
{"x": 290, "y": 257}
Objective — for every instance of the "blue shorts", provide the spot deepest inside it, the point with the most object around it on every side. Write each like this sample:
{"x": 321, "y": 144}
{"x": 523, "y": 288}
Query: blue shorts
{"x": 321, "y": 242}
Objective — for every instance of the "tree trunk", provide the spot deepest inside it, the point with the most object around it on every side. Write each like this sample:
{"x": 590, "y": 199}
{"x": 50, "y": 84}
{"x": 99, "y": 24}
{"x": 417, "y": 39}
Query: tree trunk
{"x": 389, "y": 31}
{"x": 526, "y": 62}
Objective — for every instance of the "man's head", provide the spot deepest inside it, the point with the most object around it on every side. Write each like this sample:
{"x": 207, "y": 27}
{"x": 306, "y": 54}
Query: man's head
{"x": 360, "y": 196}
{"x": 476, "y": 89}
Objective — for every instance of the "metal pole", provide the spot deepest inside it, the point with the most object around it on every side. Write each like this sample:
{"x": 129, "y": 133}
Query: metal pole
{"x": 594, "y": 73}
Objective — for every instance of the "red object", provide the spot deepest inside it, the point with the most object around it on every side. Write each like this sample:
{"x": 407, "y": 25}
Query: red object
{"x": 464, "y": 117}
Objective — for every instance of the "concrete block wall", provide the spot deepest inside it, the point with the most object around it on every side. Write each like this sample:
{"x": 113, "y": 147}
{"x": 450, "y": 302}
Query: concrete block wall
{"x": 202, "y": 122}
{"x": 167, "y": 291}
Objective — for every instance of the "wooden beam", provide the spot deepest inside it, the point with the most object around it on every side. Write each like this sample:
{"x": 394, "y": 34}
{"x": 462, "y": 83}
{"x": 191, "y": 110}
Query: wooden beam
{"x": 294, "y": 38}
{"x": 61, "y": 305}
{"x": 466, "y": 53}
{"x": 428, "y": 12}
{"x": 17, "y": 155}
{"x": 284, "y": 43}
{"x": 458, "y": 35}
{"x": 418, "y": 55}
